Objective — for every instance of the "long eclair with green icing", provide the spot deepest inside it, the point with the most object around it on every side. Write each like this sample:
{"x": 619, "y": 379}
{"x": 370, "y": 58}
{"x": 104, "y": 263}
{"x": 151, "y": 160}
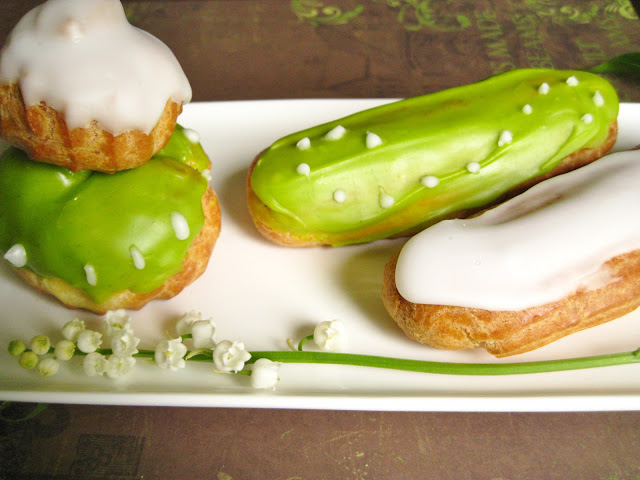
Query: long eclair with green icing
{"x": 105, "y": 241}
{"x": 395, "y": 169}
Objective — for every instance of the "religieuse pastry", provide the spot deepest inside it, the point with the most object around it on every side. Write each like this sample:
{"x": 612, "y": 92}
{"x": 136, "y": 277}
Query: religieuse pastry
{"x": 561, "y": 257}
{"x": 97, "y": 240}
{"x": 395, "y": 169}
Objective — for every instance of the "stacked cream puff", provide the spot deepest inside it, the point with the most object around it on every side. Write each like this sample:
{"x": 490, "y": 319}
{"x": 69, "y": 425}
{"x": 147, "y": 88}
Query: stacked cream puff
{"x": 104, "y": 199}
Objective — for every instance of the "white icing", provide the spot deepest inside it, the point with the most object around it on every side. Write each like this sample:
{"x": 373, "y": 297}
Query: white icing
{"x": 73, "y": 30}
{"x": 336, "y": 133}
{"x": 83, "y": 58}
{"x": 572, "y": 81}
{"x": 385, "y": 200}
{"x": 180, "y": 226}
{"x": 587, "y": 118}
{"x": 527, "y": 109}
{"x": 373, "y": 140}
{"x": 304, "y": 143}
{"x": 137, "y": 257}
{"x": 90, "y": 273}
{"x": 430, "y": 181}
{"x": 544, "y": 88}
{"x": 16, "y": 256}
{"x": 303, "y": 169}
{"x": 473, "y": 167}
{"x": 534, "y": 249}
{"x": 506, "y": 137}
{"x": 191, "y": 134}
{"x": 598, "y": 99}
{"x": 339, "y": 196}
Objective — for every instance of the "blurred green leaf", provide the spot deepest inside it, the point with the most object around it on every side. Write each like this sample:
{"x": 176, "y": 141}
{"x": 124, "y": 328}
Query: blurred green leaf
{"x": 627, "y": 64}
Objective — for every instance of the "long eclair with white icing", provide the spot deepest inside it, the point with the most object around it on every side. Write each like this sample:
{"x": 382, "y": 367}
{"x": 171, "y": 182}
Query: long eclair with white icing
{"x": 562, "y": 257}
{"x": 82, "y": 88}
{"x": 395, "y": 169}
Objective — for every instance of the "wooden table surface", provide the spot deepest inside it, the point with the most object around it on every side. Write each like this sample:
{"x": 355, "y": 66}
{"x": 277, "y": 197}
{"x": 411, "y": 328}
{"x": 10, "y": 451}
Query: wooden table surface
{"x": 262, "y": 49}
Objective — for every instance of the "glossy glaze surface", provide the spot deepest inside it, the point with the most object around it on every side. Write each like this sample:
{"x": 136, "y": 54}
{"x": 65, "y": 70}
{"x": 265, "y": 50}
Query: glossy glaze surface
{"x": 476, "y": 142}
{"x": 73, "y": 223}
{"x": 84, "y": 59}
{"x": 537, "y": 248}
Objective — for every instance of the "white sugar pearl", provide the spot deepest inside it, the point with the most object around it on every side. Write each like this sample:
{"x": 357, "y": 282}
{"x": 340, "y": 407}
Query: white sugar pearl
{"x": 303, "y": 143}
{"x": 386, "y": 200}
{"x": 137, "y": 257}
{"x": 598, "y": 99}
{"x": 587, "y": 118}
{"x": 572, "y": 81}
{"x": 473, "y": 167}
{"x": 16, "y": 256}
{"x": 430, "y": 181}
{"x": 544, "y": 88}
{"x": 373, "y": 140}
{"x": 506, "y": 137}
{"x": 527, "y": 109}
{"x": 180, "y": 226}
{"x": 339, "y": 195}
{"x": 303, "y": 169}
{"x": 90, "y": 273}
{"x": 191, "y": 134}
{"x": 336, "y": 133}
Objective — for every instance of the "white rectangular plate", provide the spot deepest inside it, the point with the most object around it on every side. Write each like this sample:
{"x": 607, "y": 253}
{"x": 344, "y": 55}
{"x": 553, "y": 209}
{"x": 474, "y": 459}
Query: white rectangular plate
{"x": 262, "y": 294}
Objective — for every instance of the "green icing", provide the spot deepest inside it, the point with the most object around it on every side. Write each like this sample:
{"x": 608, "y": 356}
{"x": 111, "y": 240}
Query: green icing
{"x": 440, "y": 135}
{"x": 179, "y": 147}
{"x": 66, "y": 220}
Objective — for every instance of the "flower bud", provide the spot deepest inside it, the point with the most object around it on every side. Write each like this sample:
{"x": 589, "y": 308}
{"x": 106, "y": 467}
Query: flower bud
{"x": 94, "y": 364}
{"x": 184, "y": 323}
{"x": 89, "y": 341}
{"x": 117, "y": 321}
{"x": 40, "y": 344}
{"x": 170, "y": 354}
{"x": 330, "y": 336}
{"x": 124, "y": 343}
{"x": 48, "y": 366}
{"x": 265, "y": 373}
{"x": 16, "y": 347}
{"x": 70, "y": 330}
{"x": 64, "y": 349}
{"x": 28, "y": 360}
{"x": 203, "y": 333}
{"x": 118, "y": 365}
{"x": 230, "y": 356}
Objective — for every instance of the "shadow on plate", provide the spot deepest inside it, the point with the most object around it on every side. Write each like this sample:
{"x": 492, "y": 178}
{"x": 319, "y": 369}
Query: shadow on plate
{"x": 361, "y": 276}
{"x": 12, "y": 281}
{"x": 233, "y": 199}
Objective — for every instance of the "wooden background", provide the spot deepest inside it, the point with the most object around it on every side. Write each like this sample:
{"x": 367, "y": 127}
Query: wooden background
{"x": 256, "y": 49}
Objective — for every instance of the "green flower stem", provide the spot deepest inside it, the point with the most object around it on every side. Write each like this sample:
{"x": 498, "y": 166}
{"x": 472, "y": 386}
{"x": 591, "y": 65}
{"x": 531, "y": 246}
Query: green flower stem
{"x": 446, "y": 368}
{"x": 450, "y": 368}
{"x": 303, "y": 341}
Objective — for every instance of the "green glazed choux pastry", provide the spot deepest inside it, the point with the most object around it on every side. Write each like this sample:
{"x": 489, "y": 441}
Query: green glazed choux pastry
{"x": 106, "y": 241}
{"x": 395, "y": 169}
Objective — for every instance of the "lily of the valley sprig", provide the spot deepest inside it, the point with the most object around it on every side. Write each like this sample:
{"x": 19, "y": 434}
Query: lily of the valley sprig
{"x": 194, "y": 340}
{"x": 120, "y": 358}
